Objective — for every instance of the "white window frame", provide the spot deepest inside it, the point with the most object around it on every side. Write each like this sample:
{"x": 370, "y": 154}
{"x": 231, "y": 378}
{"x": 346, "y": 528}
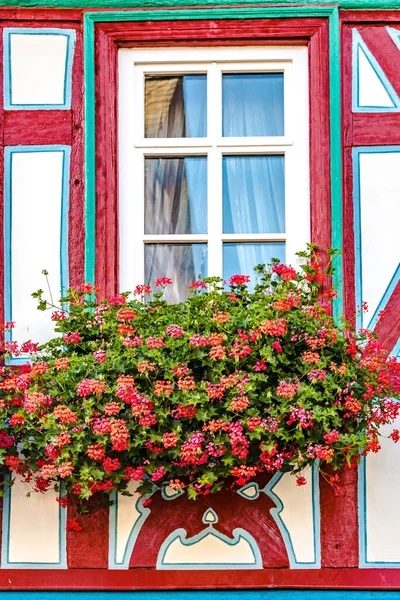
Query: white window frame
{"x": 134, "y": 147}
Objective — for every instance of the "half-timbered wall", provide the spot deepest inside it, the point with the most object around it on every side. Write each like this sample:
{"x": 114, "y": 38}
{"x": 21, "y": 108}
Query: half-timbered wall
{"x": 59, "y": 181}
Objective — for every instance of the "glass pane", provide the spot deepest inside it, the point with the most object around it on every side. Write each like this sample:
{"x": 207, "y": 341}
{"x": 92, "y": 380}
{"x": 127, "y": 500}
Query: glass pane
{"x": 175, "y": 106}
{"x": 242, "y": 258}
{"x": 252, "y": 104}
{"x": 182, "y": 262}
{"x": 254, "y": 194}
{"x": 176, "y": 195}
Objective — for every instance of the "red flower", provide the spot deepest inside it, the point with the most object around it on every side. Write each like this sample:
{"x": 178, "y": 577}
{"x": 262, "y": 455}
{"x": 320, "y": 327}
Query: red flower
{"x": 73, "y": 525}
{"x": 301, "y": 481}
{"x": 239, "y": 280}
{"x": 163, "y": 281}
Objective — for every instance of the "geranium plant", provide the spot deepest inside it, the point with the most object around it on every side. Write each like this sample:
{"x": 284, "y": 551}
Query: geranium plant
{"x": 219, "y": 388}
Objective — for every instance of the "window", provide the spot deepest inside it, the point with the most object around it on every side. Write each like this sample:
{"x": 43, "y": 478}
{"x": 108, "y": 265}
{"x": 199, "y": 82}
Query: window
{"x": 213, "y": 162}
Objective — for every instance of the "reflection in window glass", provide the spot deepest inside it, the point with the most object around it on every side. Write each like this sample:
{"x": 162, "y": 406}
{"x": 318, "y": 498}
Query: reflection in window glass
{"x": 252, "y": 104}
{"x": 254, "y": 194}
{"x": 242, "y": 258}
{"x": 182, "y": 262}
{"x": 175, "y": 106}
{"x": 176, "y": 195}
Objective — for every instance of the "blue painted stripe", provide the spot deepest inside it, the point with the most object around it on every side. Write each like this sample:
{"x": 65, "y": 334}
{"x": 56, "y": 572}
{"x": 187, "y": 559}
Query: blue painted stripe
{"x": 385, "y": 298}
{"x": 7, "y": 233}
{"x": 359, "y": 44}
{"x": 395, "y": 35}
{"x": 70, "y": 34}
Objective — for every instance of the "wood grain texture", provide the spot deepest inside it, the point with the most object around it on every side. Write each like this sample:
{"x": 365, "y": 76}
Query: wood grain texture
{"x": 76, "y": 234}
{"x": 107, "y": 241}
{"x": 37, "y": 127}
{"x": 113, "y": 4}
{"x": 374, "y": 129}
{"x": 88, "y": 549}
{"x": 339, "y": 522}
{"x": 388, "y": 327}
{"x": 143, "y": 579}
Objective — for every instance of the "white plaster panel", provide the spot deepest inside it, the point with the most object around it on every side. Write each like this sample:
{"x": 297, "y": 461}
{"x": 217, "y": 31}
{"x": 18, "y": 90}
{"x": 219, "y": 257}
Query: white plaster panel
{"x": 209, "y": 550}
{"x": 127, "y": 516}
{"x": 297, "y": 514}
{"x": 380, "y": 218}
{"x": 38, "y": 64}
{"x": 37, "y": 180}
{"x": 371, "y": 91}
{"x": 382, "y": 501}
{"x": 34, "y": 526}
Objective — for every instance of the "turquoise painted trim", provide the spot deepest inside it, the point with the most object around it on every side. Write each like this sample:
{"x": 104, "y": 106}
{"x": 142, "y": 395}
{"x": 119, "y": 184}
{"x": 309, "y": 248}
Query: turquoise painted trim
{"x": 242, "y": 491}
{"x": 170, "y": 497}
{"x": 213, "y": 514}
{"x": 358, "y": 234}
{"x": 276, "y": 513}
{"x": 5, "y": 546}
{"x": 359, "y": 44}
{"x": 115, "y": 4}
{"x": 331, "y": 12}
{"x": 385, "y": 298}
{"x": 238, "y": 535}
{"x": 70, "y": 34}
{"x": 395, "y": 35}
{"x": 336, "y": 159}
{"x": 9, "y": 151}
{"x": 113, "y": 532}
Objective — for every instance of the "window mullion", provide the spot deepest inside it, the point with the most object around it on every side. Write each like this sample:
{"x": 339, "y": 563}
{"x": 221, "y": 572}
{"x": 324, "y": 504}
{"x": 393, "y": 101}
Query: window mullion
{"x": 214, "y": 173}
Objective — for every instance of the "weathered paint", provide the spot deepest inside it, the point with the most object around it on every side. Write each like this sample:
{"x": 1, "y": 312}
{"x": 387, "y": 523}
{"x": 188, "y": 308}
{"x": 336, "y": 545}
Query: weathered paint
{"x": 113, "y": 4}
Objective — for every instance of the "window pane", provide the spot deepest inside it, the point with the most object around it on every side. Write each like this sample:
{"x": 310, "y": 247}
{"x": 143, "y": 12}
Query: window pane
{"x": 252, "y": 104}
{"x": 242, "y": 258}
{"x": 182, "y": 262}
{"x": 176, "y": 195}
{"x": 175, "y": 106}
{"x": 254, "y": 194}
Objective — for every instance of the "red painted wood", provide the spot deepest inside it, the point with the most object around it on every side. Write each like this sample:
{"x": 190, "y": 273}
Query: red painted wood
{"x": 384, "y": 50}
{"x": 388, "y": 327}
{"x": 110, "y": 35}
{"x": 350, "y": 304}
{"x": 145, "y": 579}
{"x": 339, "y": 521}
{"x": 233, "y": 512}
{"x": 193, "y": 31}
{"x": 320, "y": 179}
{"x": 25, "y": 127}
{"x": 372, "y": 129}
{"x": 48, "y": 14}
{"x": 368, "y": 16}
{"x": 76, "y": 237}
{"x": 107, "y": 248}
{"x": 88, "y": 549}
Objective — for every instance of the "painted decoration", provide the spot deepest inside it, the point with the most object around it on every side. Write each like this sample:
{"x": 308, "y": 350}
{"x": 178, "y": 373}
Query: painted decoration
{"x": 268, "y": 523}
{"x": 379, "y": 499}
{"x": 33, "y": 529}
{"x": 38, "y": 68}
{"x": 372, "y": 90}
{"x": 35, "y": 235}
{"x": 376, "y": 219}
